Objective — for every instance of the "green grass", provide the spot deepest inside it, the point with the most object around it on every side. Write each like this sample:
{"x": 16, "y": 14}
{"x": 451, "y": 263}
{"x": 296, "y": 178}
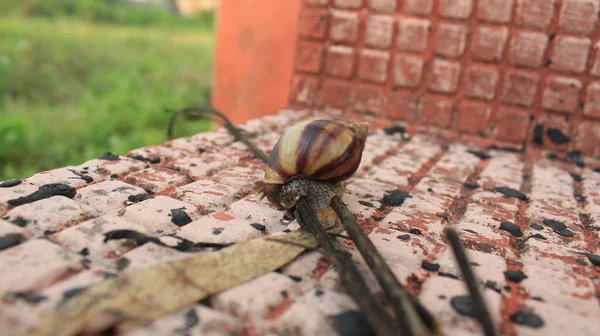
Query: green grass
{"x": 74, "y": 87}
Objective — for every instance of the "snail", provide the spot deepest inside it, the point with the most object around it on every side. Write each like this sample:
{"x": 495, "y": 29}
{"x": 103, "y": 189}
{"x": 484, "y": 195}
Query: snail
{"x": 312, "y": 159}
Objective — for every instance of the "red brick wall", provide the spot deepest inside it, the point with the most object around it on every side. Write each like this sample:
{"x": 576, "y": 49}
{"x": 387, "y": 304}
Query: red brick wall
{"x": 490, "y": 68}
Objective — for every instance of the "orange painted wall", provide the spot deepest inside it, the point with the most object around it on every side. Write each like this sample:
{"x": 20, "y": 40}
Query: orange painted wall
{"x": 254, "y": 56}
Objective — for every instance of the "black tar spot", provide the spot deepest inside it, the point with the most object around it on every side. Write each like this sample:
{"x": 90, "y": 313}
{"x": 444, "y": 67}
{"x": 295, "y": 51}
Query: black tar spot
{"x": 295, "y": 278}
{"x": 369, "y": 204}
{"x": 515, "y": 276}
{"x": 481, "y": 155}
{"x": 538, "y": 134}
{"x": 71, "y": 293}
{"x": 45, "y": 191}
{"x": 138, "y": 198}
{"x": 395, "y": 197}
{"x": 463, "y": 305}
{"x": 31, "y": 298}
{"x": 394, "y": 129}
{"x": 581, "y": 262}
{"x": 593, "y": 258}
{"x": 537, "y": 236}
{"x": 404, "y": 237}
{"x": 576, "y": 177}
{"x": 430, "y": 267}
{"x": 82, "y": 175}
{"x": 536, "y": 226}
{"x": 10, "y": 240}
{"x": 155, "y": 159}
{"x": 10, "y": 183}
{"x": 511, "y": 228}
{"x": 109, "y": 156}
{"x": 139, "y": 238}
{"x": 448, "y": 275}
{"x": 123, "y": 263}
{"x": 179, "y": 217}
{"x": 493, "y": 286}
{"x": 20, "y": 221}
{"x": 529, "y": 319}
{"x": 509, "y": 192}
{"x": 471, "y": 185}
{"x": 415, "y": 231}
{"x": 351, "y": 323}
{"x": 556, "y": 136}
{"x": 259, "y": 227}
{"x": 84, "y": 251}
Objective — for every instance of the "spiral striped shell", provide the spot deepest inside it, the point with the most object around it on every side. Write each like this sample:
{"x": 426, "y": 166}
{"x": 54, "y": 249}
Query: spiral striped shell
{"x": 323, "y": 150}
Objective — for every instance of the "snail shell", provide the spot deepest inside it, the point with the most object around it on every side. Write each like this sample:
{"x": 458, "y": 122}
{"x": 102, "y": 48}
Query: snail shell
{"x": 327, "y": 151}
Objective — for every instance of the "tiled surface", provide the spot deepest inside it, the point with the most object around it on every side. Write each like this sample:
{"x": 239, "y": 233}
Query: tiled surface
{"x": 518, "y": 71}
{"x": 202, "y": 189}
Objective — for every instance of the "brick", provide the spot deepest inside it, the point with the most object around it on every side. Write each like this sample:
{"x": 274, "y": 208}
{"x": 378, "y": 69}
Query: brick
{"x": 383, "y": 5}
{"x": 561, "y": 94}
{"x": 592, "y": 100}
{"x": 265, "y": 213}
{"x": 489, "y": 43}
{"x": 578, "y": 16}
{"x": 205, "y": 164}
{"x": 481, "y": 82}
{"x": 256, "y": 298}
{"x": 595, "y": 71}
{"x": 408, "y": 70}
{"x": 418, "y": 7}
{"x": 219, "y": 228}
{"x": 587, "y": 138}
{"x": 304, "y": 91}
{"x": 316, "y": 2}
{"x": 536, "y": 14}
{"x": 107, "y": 196}
{"x": 555, "y": 121}
{"x": 91, "y": 234}
{"x": 313, "y": 23}
{"x": 347, "y": 3}
{"x": 451, "y": 40}
{"x": 570, "y": 54}
{"x": 309, "y": 56}
{"x": 206, "y": 322}
{"x": 413, "y": 34}
{"x": 513, "y": 125}
{"x": 344, "y": 27}
{"x": 66, "y": 175}
{"x": 520, "y": 87}
{"x": 155, "y": 214}
{"x": 380, "y": 29}
{"x": 437, "y": 112}
{"x": 473, "y": 118}
{"x": 35, "y": 264}
{"x": 372, "y": 66}
{"x": 157, "y": 179}
{"x": 336, "y": 93}
{"x": 495, "y": 11}
{"x": 527, "y": 49}
{"x": 311, "y": 313}
{"x": 369, "y": 100}
{"x": 164, "y": 153}
{"x": 403, "y": 106}
{"x": 445, "y": 76}
{"x": 207, "y": 195}
{"x": 455, "y": 9}
{"x": 122, "y": 166}
{"x": 51, "y": 214}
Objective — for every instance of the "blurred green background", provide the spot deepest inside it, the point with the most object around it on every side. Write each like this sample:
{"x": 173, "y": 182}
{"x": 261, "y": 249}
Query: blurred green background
{"x": 82, "y": 77}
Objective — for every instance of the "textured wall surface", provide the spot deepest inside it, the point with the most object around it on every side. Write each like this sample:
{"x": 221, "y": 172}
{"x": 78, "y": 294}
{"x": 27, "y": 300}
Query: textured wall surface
{"x": 513, "y": 70}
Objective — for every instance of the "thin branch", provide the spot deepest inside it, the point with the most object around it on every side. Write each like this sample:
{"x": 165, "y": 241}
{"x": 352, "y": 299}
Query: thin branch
{"x": 204, "y": 112}
{"x": 351, "y": 278}
{"x": 403, "y": 303}
{"x": 481, "y": 312}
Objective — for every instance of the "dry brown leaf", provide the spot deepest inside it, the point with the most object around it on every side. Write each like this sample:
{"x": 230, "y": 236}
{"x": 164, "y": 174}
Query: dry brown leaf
{"x": 132, "y": 300}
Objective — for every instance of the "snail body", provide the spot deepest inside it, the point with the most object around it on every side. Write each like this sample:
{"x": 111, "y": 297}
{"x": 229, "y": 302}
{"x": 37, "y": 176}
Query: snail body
{"x": 313, "y": 158}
